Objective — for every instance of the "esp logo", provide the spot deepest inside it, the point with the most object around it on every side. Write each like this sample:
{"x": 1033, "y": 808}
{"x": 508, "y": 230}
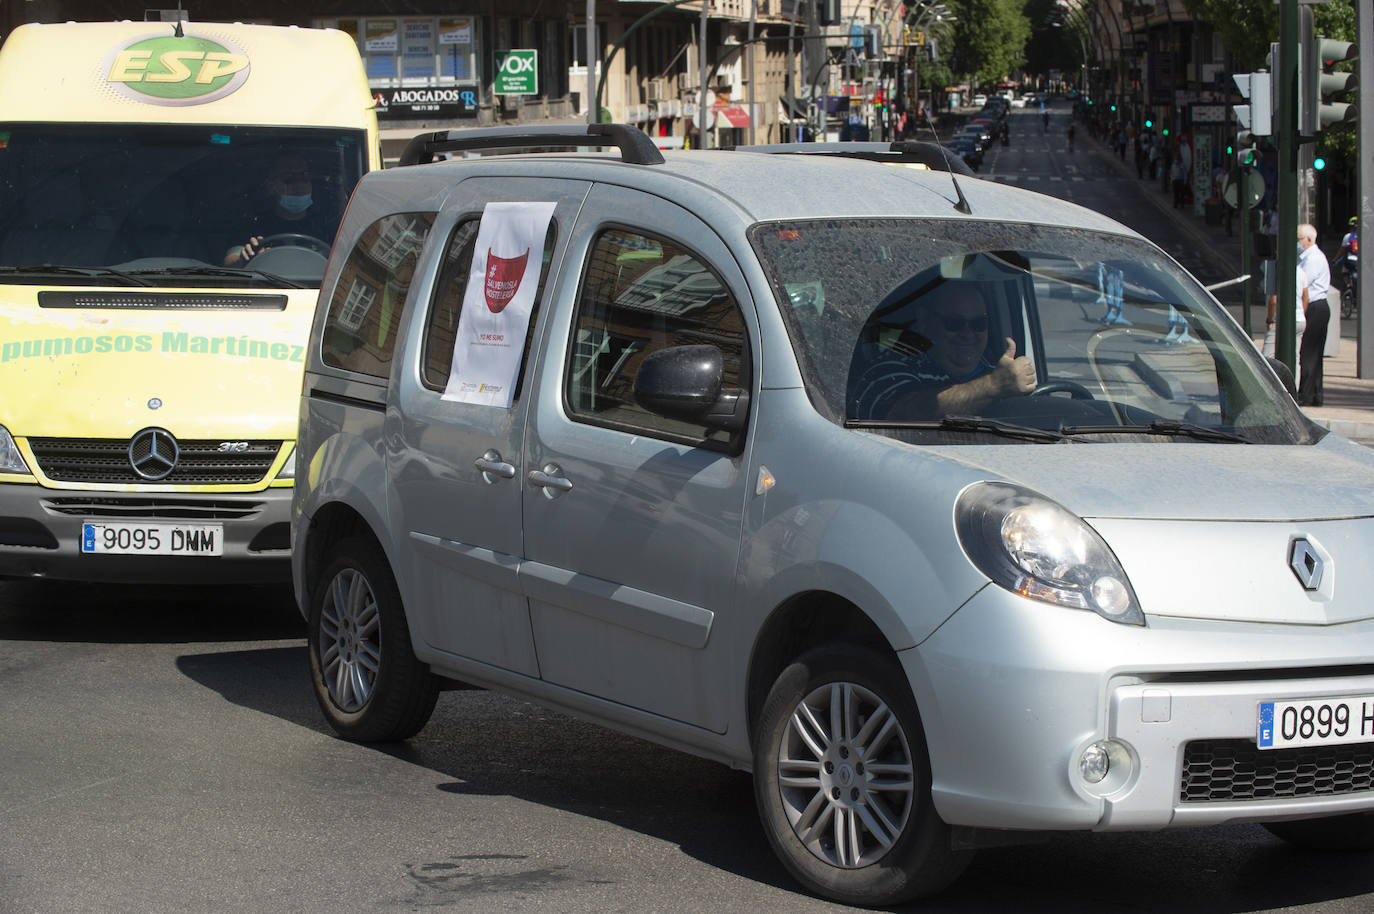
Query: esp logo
{"x": 167, "y": 70}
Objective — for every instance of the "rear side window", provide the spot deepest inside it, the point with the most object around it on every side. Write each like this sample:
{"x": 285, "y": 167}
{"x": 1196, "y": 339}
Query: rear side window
{"x": 441, "y": 328}
{"x": 369, "y": 298}
{"x": 641, "y": 294}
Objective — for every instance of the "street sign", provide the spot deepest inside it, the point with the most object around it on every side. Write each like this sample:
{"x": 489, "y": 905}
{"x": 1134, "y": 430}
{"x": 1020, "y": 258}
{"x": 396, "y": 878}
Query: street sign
{"x": 517, "y": 73}
{"x": 1252, "y": 181}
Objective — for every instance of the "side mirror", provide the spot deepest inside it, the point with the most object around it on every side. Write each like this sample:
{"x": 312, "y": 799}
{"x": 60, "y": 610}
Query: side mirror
{"x": 684, "y": 382}
{"x": 1285, "y": 376}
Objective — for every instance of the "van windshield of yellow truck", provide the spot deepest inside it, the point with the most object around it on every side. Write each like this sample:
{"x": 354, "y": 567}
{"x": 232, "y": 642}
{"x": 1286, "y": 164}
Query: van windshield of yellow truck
{"x": 172, "y": 205}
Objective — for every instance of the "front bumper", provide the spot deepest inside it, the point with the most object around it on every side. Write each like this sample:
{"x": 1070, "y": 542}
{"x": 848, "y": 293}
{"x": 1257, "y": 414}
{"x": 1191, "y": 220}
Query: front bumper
{"x": 40, "y": 532}
{"x": 1012, "y": 692}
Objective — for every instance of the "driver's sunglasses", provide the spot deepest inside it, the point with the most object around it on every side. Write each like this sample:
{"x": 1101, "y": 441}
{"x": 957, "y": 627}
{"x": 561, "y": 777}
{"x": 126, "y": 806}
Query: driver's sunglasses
{"x": 953, "y": 324}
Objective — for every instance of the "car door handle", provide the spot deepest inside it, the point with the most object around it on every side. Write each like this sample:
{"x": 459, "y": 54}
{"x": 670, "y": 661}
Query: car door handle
{"x": 491, "y": 464}
{"x": 551, "y": 480}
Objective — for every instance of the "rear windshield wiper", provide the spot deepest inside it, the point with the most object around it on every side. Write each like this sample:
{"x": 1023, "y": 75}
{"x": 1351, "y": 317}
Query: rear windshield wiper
{"x": 51, "y": 269}
{"x": 962, "y": 424}
{"x": 1159, "y": 427}
{"x": 235, "y": 272}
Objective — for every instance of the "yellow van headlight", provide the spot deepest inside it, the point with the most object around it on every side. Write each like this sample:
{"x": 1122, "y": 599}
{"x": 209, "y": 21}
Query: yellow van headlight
{"x": 11, "y": 461}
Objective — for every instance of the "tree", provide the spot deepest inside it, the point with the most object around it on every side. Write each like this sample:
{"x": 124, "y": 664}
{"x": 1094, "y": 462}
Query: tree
{"x": 989, "y": 39}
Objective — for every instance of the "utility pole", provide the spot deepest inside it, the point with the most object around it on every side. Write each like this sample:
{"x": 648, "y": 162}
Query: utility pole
{"x": 1286, "y": 255}
{"x": 593, "y": 102}
{"x": 1365, "y": 39}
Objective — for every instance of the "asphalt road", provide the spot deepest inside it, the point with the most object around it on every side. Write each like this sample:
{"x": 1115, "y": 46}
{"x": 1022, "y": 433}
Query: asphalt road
{"x": 161, "y": 751}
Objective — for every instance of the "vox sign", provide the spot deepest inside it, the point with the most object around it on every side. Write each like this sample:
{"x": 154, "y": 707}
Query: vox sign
{"x": 517, "y": 73}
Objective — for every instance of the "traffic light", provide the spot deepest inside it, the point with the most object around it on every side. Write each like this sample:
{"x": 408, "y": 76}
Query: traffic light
{"x": 1316, "y": 84}
{"x": 1318, "y": 163}
{"x": 1149, "y": 123}
{"x": 1247, "y": 156}
{"x": 1256, "y": 117}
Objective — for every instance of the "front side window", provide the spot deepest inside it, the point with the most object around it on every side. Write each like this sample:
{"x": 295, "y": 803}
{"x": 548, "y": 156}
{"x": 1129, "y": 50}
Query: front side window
{"x": 920, "y": 328}
{"x": 369, "y": 299}
{"x": 641, "y": 294}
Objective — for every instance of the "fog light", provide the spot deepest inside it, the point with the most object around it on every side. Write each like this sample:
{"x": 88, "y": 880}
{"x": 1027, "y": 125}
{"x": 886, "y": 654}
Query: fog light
{"x": 1094, "y": 763}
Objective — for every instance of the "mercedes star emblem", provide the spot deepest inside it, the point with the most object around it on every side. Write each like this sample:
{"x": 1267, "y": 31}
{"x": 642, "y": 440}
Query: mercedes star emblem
{"x": 153, "y": 454}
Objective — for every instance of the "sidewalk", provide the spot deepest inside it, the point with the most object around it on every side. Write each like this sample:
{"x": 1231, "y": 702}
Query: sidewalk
{"x": 1347, "y": 401}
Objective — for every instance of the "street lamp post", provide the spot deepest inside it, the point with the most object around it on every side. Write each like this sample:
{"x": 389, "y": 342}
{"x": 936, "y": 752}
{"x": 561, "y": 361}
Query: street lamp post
{"x": 930, "y": 12}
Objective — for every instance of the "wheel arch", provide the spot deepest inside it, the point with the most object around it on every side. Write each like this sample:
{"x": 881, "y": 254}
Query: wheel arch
{"x": 330, "y": 525}
{"x": 804, "y": 621}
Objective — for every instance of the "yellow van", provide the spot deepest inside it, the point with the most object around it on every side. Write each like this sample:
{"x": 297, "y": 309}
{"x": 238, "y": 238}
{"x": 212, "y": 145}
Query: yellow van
{"x": 168, "y": 196}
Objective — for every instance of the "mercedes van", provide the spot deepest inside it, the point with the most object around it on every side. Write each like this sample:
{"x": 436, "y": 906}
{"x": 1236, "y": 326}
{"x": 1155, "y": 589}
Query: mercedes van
{"x": 168, "y": 196}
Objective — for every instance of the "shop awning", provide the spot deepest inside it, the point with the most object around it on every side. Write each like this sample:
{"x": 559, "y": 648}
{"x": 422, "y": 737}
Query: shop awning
{"x": 734, "y": 115}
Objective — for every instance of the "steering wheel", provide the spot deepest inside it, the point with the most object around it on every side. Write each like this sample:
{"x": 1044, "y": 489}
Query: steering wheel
{"x": 294, "y": 240}
{"x": 1075, "y": 390}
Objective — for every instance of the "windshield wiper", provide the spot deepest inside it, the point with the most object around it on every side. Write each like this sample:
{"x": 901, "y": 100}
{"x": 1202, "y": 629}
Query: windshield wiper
{"x": 1159, "y": 427}
{"x": 962, "y": 424}
{"x": 52, "y": 269}
{"x": 237, "y": 273}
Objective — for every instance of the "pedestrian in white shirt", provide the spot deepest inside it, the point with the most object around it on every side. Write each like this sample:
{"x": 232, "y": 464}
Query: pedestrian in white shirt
{"x": 1316, "y": 275}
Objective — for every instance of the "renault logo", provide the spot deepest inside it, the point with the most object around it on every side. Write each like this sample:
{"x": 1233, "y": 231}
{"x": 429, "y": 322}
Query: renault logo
{"x": 1306, "y": 563}
{"x": 153, "y": 454}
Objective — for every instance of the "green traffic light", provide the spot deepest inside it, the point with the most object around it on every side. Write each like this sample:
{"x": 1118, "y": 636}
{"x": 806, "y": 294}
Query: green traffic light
{"x": 1230, "y": 150}
{"x": 1319, "y": 163}
{"x": 1113, "y": 107}
{"x": 1149, "y": 124}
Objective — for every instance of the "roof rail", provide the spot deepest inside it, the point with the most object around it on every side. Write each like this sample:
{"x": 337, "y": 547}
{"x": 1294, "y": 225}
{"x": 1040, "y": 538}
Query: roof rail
{"x": 635, "y": 146}
{"x": 931, "y": 155}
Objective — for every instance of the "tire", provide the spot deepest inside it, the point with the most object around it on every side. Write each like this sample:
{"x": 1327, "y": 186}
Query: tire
{"x": 869, "y": 776}
{"x": 365, "y": 675}
{"x": 1353, "y": 832}
{"x": 1347, "y": 303}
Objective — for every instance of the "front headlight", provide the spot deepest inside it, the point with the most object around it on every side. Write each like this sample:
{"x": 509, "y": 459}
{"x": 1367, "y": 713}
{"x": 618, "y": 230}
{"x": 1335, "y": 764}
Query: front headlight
{"x": 11, "y": 461}
{"x": 1035, "y": 547}
{"x": 288, "y": 469}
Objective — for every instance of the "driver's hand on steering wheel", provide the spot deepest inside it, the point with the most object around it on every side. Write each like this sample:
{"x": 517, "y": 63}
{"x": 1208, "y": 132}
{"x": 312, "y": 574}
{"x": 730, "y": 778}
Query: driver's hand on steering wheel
{"x": 1015, "y": 376}
{"x": 242, "y": 255}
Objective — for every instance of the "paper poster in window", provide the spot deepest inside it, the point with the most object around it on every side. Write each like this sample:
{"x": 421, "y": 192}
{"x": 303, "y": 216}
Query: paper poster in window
{"x": 497, "y": 302}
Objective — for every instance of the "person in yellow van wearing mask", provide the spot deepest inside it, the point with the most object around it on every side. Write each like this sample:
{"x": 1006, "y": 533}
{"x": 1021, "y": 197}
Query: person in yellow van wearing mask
{"x": 289, "y": 208}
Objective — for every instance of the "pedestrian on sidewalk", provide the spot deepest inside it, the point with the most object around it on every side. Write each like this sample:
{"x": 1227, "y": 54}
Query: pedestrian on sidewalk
{"x": 1154, "y": 158}
{"x": 1316, "y": 275}
{"x": 1179, "y": 175}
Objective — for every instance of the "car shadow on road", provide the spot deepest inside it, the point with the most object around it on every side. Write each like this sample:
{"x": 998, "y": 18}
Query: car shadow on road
{"x": 66, "y": 611}
{"x": 485, "y": 744}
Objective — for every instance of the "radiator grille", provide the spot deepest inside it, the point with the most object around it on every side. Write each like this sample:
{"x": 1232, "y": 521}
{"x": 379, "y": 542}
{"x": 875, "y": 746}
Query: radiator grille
{"x": 157, "y": 509}
{"x": 106, "y": 460}
{"x": 1216, "y": 771}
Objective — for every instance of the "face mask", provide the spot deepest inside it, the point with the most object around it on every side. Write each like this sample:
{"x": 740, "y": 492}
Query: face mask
{"x": 294, "y": 204}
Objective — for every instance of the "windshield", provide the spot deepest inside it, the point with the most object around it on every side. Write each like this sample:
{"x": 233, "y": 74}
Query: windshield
{"x": 915, "y": 327}
{"x": 136, "y": 204}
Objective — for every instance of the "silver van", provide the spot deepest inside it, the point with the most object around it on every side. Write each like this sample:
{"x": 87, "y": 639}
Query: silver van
{"x": 953, "y": 512}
